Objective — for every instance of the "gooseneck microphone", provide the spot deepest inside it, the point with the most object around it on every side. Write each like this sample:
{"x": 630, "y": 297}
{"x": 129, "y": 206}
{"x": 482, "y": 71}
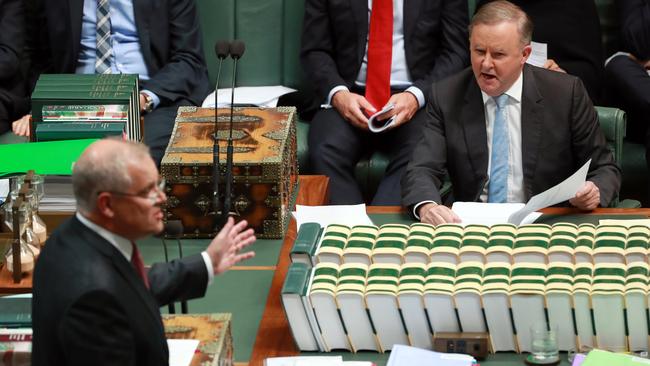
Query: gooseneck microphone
{"x": 237, "y": 49}
{"x": 174, "y": 230}
{"x": 222, "y": 49}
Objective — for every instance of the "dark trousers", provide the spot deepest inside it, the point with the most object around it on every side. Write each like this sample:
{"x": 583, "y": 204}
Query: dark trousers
{"x": 158, "y": 126}
{"x": 335, "y": 147}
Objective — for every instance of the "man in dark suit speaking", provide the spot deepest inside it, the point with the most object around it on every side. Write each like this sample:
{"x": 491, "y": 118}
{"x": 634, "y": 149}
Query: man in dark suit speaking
{"x": 504, "y": 130}
{"x": 93, "y": 301}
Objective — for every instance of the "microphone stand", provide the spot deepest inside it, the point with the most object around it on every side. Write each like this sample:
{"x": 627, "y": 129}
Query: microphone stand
{"x": 222, "y": 49}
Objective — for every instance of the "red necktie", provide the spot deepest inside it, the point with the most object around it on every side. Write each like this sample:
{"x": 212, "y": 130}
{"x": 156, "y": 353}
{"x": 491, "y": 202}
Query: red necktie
{"x": 380, "y": 53}
{"x": 138, "y": 264}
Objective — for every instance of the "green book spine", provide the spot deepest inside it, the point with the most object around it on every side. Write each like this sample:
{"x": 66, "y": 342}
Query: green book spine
{"x": 16, "y": 312}
{"x": 307, "y": 239}
{"x": 296, "y": 281}
{"x": 77, "y": 130}
{"x": 74, "y": 87}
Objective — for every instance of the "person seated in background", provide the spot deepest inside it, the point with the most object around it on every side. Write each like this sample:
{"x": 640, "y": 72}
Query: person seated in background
{"x": 93, "y": 301}
{"x": 505, "y": 130}
{"x": 159, "y": 41}
{"x": 363, "y": 55}
{"x": 571, "y": 29}
{"x": 627, "y": 77}
{"x": 12, "y": 80}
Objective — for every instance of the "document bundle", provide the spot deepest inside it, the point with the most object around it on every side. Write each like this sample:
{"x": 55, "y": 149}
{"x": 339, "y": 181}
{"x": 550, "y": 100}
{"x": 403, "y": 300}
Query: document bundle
{"x": 370, "y": 288}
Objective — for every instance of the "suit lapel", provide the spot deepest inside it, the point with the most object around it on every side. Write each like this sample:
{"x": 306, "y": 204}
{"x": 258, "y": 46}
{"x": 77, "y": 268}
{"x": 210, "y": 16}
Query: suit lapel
{"x": 412, "y": 9}
{"x": 532, "y": 105}
{"x": 75, "y": 9}
{"x": 360, "y": 14}
{"x": 123, "y": 267}
{"x": 472, "y": 119}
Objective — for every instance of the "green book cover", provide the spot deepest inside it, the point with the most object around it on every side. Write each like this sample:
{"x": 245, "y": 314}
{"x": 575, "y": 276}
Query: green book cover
{"x": 296, "y": 281}
{"x": 46, "y": 158}
{"x": 78, "y": 130}
{"x": 307, "y": 238}
{"x": 16, "y": 312}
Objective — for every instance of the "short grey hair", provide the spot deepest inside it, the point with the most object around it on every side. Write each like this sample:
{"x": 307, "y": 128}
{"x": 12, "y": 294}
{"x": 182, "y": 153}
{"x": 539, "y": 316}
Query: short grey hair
{"x": 499, "y": 11}
{"x": 109, "y": 171}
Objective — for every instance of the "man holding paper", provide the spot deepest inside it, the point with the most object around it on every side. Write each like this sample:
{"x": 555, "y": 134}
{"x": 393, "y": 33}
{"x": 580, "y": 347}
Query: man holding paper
{"x": 504, "y": 130}
{"x": 362, "y": 56}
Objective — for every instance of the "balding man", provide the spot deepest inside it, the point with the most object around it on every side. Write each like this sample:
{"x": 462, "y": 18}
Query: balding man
{"x": 505, "y": 130}
{"x": 93, "y": 302}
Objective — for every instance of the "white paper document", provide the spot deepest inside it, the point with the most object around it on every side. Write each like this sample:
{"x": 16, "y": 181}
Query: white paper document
{"x": 261, "y": 96}
{"x": 411, "y": 356}
{"x": 539, "y": 54}
{"x": 304, "y": 360}
{"x": 349, "y": 215}
{"x": 489, "y": 214}
{"x": 181, "y": 351}
{"x": 376, "y": 125}
{"x": 626, "y": 223}
{"x": 554, "y": 195}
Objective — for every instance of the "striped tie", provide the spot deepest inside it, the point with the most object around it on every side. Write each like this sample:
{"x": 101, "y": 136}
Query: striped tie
{"x": 498, "y": 185}
{"x": 103, "y": 50}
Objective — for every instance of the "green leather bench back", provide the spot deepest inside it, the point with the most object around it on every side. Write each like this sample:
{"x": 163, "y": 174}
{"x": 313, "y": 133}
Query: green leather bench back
{"x": 271, "y": 30}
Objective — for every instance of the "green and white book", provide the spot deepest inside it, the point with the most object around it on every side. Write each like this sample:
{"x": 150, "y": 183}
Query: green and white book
{"x": 636, "y": 249}
{"x": 358, "y": 249}
{"x": 294, "y": 291}
{"x": 446, "y": 243}
{"x": 467, "y": 296}
{"x": 418, "y": 244}
{"x": 559, "y": 302}
{"x": 496, "y": 304}
{"x": 608, "y": 302}
{"x": 410, "y": 294}
{"x": 583, "y": 250}
{"x": 323, "y": 299}
{"x": 390, "y": 244}
{"x": 531, "y": 243}
{"x": 636, "y": 305}
{"x": 304, "y": 247}
{"x": 381, "y": 298}
{"x": 561, "y": 247}
{"x": 331, "y": 247}
{"x": 475, "y": 243}
{"x": 439, "y": 297}
{"x": 350, "y": 298}
{"x": 501, "y": 243}
{"x": 527, "y": 290}
{"x": 609, "y": 244}
{"x": 582, "y": 304}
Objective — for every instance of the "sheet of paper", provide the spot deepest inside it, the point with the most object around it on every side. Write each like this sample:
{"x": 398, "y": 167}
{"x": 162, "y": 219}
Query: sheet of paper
{"x": 376, "y": 125}
{"x": 4, "y": 189}
{"x": 407, "y": 356}
{"x": 261, "y": 96}
{"x": 626, "y": 223}
{"x": 539, "y": 54}
{"x": 489, "y": 213}
{"x": 304, "y": 360}
{"x": 333, "y": 214}
{"x": 554, "y": 195}
{"x": 181, "y": 351}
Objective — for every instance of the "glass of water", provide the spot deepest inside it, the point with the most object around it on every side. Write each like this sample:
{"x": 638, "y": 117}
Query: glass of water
{"x": 544, "y": 349}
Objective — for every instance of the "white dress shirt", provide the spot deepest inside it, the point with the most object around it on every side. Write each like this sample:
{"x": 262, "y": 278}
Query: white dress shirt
{"x": 123, "y": 245}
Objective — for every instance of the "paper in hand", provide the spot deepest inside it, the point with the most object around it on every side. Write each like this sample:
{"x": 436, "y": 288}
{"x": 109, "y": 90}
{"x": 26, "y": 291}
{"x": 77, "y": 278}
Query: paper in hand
{"x": 376, "y": 125}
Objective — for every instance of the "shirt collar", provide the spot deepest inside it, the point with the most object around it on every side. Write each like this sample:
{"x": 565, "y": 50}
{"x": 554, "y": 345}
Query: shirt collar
{"x": 514, "y": 92}
{"x": 119, "y": 242}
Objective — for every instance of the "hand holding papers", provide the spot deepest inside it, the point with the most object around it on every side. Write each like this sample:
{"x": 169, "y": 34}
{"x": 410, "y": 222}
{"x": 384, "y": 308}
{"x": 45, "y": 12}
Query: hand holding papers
{"x": 376, "y": 125}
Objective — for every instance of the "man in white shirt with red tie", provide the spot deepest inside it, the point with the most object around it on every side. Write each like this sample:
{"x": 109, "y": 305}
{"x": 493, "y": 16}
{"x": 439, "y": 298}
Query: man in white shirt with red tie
{"x": 363, "y": 55}
{"x": 93, "y": 301}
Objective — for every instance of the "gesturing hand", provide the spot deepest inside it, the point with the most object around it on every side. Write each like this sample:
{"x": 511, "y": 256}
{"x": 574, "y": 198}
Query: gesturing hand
{"x": 224, "y": 250}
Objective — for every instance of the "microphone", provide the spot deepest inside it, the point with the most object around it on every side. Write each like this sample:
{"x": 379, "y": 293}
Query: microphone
{"x": 174, "y": 230}
{"x": 237, "y": 49}
{"x": 222, "y": 49}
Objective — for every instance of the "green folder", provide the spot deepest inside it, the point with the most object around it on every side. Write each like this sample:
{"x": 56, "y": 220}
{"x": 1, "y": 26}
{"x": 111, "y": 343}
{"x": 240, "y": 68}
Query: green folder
{"x": 45, "y": 158}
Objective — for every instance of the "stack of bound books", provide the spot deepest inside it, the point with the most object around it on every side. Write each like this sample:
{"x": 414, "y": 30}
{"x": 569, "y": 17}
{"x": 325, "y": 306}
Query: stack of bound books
{"x": 369, "y": 288}
{"x": 76, "y": 106}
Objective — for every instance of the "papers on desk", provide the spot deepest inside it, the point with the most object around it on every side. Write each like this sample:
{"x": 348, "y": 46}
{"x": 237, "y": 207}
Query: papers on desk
{"x": 181, "y": 351}
{"x": 518, "y": 213}
{"x": 313, "y": 361}
{"x": 349, "y": 215}
{"x": 626, "y": 223}
{"x": 261, "y": 96}
{"x": 411, "y": 356}
{"x": 539, "y": 54}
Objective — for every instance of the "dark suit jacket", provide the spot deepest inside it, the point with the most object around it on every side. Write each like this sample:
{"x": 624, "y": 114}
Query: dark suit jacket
{"x": 12, "y": 83}
{"x": 90, "y": 306}
{"x": 635, "y": 27}
{"x": 170, "y": 41}
{"x": 560, "y": 132}
{"x": 335, "y": 33}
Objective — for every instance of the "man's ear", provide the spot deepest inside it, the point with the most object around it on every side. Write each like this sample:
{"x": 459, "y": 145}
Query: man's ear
{"x": 526, "y": 51}
{"x": 104, "y": 205}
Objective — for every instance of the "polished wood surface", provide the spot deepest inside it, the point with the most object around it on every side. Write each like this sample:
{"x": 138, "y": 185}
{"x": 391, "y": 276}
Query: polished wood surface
{"x": 273, "y": 336}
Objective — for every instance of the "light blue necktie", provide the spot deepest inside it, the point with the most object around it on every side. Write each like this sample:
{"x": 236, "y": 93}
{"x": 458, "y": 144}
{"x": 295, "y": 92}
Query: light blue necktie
{"x": 104, "y": 49}
{"x": 498, "y": 185}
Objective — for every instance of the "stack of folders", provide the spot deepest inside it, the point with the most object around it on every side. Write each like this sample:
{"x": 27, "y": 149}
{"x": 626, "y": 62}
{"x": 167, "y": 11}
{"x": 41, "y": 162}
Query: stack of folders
{"x": 370, "y": 288}
{"x": 76, "y": 106}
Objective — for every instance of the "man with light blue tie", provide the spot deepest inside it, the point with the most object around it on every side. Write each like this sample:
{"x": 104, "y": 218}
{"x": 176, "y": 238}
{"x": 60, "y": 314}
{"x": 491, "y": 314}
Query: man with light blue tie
{"x": 505, "y": 130}
{"x": 160, "y": 40}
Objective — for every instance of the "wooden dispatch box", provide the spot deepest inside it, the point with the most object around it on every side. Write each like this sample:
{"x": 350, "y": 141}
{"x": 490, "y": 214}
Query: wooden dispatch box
{"x": 213, "y": 332}
{"x": 265, "y": 168}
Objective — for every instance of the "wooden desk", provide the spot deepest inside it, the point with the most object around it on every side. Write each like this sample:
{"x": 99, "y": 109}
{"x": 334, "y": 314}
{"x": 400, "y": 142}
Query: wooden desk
{"x": 274, "y": 337}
